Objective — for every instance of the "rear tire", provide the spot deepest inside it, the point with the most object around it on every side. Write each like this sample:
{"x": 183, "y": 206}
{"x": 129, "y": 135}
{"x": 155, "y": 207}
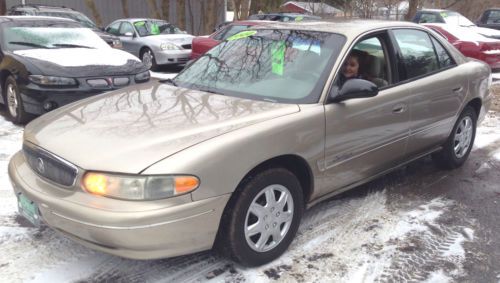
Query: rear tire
{"x": 457, "y": 148}
{"x": 262, "y": 217}
{"x": 14, "y": 103}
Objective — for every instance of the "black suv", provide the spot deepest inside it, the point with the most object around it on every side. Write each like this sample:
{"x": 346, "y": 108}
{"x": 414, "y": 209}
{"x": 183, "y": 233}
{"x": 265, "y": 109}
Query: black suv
{"x": 490, "y": 19}
{"x": 64, "y": 12}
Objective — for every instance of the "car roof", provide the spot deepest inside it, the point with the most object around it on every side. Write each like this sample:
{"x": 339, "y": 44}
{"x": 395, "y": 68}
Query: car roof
{"x": 40, "y": 7}
{"x": 346, "y": 27}
{"x": 251, "y": 22}
{"x": 33, "y": 18}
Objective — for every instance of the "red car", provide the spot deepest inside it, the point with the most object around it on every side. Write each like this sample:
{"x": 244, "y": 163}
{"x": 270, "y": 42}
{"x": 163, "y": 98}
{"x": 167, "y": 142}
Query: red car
{"x": 472, "y": 43}
{"x": 202, "y": 44}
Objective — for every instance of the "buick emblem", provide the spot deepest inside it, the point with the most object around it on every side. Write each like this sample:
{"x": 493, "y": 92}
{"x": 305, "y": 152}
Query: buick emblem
{"x": 40, "y": 166}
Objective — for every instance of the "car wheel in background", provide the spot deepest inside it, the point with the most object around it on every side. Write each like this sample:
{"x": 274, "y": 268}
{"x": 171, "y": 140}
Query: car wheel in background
{"x": 459, "y": 144}
{"x": 262, "y": 217}
{"x": 148, "y": 59}
{"x": 14, "y": 102}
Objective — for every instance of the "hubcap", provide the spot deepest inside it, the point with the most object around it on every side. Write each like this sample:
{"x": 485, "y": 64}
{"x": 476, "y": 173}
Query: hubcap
{"x": 12, "y": 100}
{"x": 269, "y": 218}
{"x": 463, "y": 137}
{"x": 147, "y": 59}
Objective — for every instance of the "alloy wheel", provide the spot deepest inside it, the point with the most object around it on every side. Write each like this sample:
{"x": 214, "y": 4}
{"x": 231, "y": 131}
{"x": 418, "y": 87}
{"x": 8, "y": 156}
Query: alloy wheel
{"x": 463, "y": 137}
{"x": 269, "y": 218}
{"x": 147, "y": 59}
{"x": 12, "y": 102}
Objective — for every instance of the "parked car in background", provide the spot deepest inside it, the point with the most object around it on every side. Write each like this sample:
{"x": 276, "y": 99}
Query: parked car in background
{"x": 230, "y": 153}
{"x": 49, "y": 62}
{"x": 155, "y": 42}
{"x": 452, "y": 18}
{"x": 202, "y": 44}
{"x": 471, "y": 44}
{"x": 284, "y": 17}
{"x": 64, "y": 12}
{"x": 490, "y": 19}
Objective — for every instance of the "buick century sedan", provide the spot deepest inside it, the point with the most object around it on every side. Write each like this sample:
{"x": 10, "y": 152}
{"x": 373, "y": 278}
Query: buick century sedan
{"x": 230, "y": 153}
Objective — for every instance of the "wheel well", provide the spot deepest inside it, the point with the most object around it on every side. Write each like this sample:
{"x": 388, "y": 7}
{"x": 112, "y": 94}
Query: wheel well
{"x": 142, "y": 50}
{"x": 3, "y": 76}
{"x": 296, "y": 164}
{"x": 476, "y": 104}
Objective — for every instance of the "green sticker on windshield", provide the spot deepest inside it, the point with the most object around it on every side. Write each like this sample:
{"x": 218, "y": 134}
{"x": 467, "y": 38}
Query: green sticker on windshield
{"x": 278, "y": 57}
{"x": 155, "y": 29}
{"x": 299, "y": 19}
{"x": 139, "y": 24}
{"x": 242, "y": 34}
{"x": 444, "y": 15}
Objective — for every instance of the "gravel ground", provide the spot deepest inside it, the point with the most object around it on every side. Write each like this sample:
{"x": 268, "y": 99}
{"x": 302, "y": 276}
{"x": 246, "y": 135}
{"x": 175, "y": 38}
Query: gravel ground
{"x": 418, "y": 223}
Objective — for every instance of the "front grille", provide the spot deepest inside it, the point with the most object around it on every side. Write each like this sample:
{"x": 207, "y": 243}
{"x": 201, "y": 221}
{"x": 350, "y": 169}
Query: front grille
{"x": 186, "y": 46}
{"x": 50, "y": 166}
{"x": 182, "y": 60}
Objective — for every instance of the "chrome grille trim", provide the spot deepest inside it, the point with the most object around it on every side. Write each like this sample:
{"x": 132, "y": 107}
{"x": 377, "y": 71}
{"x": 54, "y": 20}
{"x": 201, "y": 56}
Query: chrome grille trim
{"x": 58, "y": 170}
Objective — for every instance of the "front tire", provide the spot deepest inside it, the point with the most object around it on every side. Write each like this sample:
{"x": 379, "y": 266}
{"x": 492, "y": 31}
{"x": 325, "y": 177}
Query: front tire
{"x": 457, "y": 148}
{"x": 148, "y": 59}
{"x": 14, "y": 103}
{"x": 262, "y": 217}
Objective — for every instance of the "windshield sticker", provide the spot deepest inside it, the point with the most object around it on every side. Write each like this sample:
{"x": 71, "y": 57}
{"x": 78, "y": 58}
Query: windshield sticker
{"x": 155, "y": 29}
{"x": 278, "y": 57}
{"x": 444, "y": 15}
{"x": 139, "y": 24}
{"x": 299, "y": 18}
{"x": 242, "y": 34}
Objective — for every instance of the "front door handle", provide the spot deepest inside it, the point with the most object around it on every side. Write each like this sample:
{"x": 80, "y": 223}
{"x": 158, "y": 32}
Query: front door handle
{"x": 458, "y": 89}
{"x": 399, "y": 108}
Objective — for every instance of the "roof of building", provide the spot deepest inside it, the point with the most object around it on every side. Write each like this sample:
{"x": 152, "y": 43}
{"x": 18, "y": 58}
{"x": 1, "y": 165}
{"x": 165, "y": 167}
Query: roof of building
{"x": 314, "y": 7}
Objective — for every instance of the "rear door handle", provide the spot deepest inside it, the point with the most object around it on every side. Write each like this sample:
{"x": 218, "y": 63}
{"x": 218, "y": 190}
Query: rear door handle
{"x": 458, "y": 89}
{"x": 399, "y": 108}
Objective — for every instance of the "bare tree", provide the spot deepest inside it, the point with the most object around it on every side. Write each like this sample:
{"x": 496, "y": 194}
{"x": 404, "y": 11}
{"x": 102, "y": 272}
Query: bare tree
{"x": 3, "y": 7}
{"x": 181, "y": 14}
{"x": 125, "y": 8}
{"x": 95, "y": 12}
{"x": 412, "y": 9}
{"x": 155, "y": 13}
{"x": 241, "y": 9}
{"x": 165, "y": 9}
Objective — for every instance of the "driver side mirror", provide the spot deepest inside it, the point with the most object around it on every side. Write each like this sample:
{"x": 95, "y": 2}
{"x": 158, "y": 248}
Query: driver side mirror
{"x": 129, "y": 34}
{"x": 354, "y": 88}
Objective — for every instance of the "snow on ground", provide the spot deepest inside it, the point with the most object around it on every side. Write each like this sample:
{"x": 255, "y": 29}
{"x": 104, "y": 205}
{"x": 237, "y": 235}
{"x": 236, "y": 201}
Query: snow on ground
{"x": 351, "y": 239}
{"x": 162, "y": 76}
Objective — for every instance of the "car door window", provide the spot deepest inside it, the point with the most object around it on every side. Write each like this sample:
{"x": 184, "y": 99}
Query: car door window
{"x": 114, "y": 28}
{"x": 126, "y": 28}
{"x": 444, "y": 58}
{"x": 417, "y": 54}
{"x": 493, "y": 17}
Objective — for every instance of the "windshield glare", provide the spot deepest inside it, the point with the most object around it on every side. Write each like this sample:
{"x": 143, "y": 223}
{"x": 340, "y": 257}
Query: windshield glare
{"x": 74, "y": 16}
{"x": 147, "y": 28}
{"x": 457, "y": 19}
{"x": 278, "y": 65}
{"x": 61, "y": 36}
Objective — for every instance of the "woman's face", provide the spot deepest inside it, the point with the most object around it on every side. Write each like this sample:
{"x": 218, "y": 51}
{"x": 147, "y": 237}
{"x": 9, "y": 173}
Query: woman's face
{"x": 351, "y": 67}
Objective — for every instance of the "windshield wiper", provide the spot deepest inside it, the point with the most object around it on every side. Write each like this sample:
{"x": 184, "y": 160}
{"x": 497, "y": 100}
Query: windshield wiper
{"x": 71, "y": 45}
{"x": 28, "y": 44}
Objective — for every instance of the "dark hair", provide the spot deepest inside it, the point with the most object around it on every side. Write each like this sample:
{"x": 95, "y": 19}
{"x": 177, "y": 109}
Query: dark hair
{"x": 361, "y": 56}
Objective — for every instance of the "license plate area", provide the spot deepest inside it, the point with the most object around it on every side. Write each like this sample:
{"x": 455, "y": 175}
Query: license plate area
{"x": 28, "y": 209}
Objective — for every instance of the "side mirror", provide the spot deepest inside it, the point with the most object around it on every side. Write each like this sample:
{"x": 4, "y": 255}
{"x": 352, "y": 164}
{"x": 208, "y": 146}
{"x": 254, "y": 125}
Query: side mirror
{"x": 355, "y": 88}
{"x": 129, "y": 34}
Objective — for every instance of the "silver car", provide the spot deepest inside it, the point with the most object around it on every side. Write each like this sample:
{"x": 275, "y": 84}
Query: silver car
{"x": 155, "y": 42}
{"x": 230, "y": 152}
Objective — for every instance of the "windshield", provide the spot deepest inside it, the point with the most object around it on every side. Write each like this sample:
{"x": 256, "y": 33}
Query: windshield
{"x": 455, "y": 18}
{"x": 36, "y": 35}
{"x": 147, "y": 28}
{"x": 81, "y": 18}
{"x": 284, "y": 66}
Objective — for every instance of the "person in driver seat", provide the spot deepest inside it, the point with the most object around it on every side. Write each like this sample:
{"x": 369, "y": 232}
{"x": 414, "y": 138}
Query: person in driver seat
{"x": 353, "y": 66}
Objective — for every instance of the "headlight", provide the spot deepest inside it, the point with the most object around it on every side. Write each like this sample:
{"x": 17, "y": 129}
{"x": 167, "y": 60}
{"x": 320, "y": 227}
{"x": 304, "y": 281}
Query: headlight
{"x": 169, "y": 46}
{"x": 52, "y": 81}
{"x": 137, "y": 187}
{"x": 117, "y": 43}
{"x": 142, "y": 77}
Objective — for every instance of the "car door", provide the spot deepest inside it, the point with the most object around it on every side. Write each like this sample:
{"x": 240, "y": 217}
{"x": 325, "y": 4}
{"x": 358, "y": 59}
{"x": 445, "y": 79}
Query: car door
{"x": 366, "y": 136}
{"x": 437, "y": 87}
{"x": 129, "y": 37}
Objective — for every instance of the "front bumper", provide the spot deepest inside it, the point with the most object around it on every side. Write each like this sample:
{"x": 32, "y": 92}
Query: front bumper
{"x": 131, "y": 229}
{"x": 172, "y": 56}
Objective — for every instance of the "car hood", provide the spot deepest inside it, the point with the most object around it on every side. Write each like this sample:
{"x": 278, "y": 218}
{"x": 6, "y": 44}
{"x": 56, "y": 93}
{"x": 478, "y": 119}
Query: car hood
{"x": 83, "y": 62}
{"x": 179, "y": 39}
{"x": 130, "y": 129}
{"x": 488, "y": 32}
